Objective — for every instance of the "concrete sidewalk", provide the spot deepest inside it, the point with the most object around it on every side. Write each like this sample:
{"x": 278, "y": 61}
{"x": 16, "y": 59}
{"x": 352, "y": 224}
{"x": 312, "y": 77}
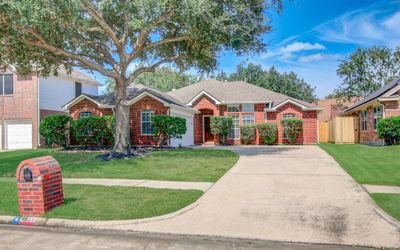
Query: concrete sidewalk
{"x": 382, "y": 189}
{"x": 203, "y": 186}
{"x": 290, "y": 194}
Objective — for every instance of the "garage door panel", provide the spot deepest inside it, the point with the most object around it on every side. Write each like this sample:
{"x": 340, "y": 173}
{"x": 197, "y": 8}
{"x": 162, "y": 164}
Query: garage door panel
{"x": 187, "y": 139}
{"x": 19, "y": 136}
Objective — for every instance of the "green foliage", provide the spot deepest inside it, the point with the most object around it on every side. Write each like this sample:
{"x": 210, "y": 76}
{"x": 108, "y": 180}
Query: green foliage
{"x": 168, "y": 127}
{"x": 94, "y": 130}
{"x": 389, "y": 129}
{"x": 247, "y": 133}
{"x": 285, "y": 83}
{"x": 55, "y": 129}
{"x": 366, "y": 70}
{"x": 293, "y": 128}
{"x": 221, "y": 127}
{"x": 268, "y": 132}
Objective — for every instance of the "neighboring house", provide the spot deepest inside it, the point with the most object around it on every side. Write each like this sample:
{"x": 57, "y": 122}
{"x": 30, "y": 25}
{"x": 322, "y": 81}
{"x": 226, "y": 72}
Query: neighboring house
{"x": 246, "y": 103}
{"x": 331, "y": 108}
{"x": 383, "y": 103}
{"x": 25, "y": 100}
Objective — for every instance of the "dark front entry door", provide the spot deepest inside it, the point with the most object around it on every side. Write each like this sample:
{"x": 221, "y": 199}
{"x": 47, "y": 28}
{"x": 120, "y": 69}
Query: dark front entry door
{"x": 207, "y": 131}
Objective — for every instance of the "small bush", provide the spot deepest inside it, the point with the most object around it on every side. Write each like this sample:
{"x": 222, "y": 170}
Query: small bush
{"x": 268, "y": 132}
{"x": 389, "y": 129}
{"x": 247, "y": 133}
{"x": 168, "y": 127}
{"x": 221, "y": 127}
{"x": 55, "y": 129}
{"x": 293, "y": 129}
{"x": 94, "y": 130}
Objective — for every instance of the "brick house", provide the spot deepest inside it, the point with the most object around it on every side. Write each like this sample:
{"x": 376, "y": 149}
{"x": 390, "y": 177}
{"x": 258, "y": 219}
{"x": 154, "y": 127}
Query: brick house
{"x": 331, "y": 108}
{"x": 383, "y": 103}
{"x": 246, "y": 103}
{"x": 25, "y": 100}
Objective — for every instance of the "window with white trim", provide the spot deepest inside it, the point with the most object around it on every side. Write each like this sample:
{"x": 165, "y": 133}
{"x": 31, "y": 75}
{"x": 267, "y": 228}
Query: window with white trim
{"x": 248, "y": 107}
{"x": 364, "y": 120}
{"x": 233, "y": 108}
{"x": 235, "y": 130}
{"x": 288, "y": 116}
{"x": 6, "y": 84}
{"x": 85, "y": 114}
{"x": 377, "y": 115}
{"x": 146, "y": 123}
{"x": 247, "y": 119}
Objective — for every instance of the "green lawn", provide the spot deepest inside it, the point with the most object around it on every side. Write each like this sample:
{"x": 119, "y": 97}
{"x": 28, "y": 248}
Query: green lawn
{"x": 389, "y": 202}
{"x": 88, "y": 202}
{"x": 368, "y": 164}
{"x": 176, "y": 165}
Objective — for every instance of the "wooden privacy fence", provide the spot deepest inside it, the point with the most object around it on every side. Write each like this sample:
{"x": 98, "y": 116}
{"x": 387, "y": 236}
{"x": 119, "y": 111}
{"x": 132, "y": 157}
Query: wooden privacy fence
{"x": 343, "y": 130}
{"x": 324, "y": 132}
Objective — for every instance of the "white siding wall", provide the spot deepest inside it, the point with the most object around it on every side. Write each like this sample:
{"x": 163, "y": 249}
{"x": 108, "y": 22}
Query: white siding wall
{"x": 55, "y": 92}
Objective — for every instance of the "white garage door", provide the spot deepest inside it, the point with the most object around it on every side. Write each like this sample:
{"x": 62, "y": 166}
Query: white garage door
{"x": 188, "y": 138}
{"x": 19, "y": 135}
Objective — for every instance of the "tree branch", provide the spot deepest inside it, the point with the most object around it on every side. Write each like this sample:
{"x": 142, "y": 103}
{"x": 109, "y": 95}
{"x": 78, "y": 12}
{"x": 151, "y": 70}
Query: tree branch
{"x": 152, "y": 68}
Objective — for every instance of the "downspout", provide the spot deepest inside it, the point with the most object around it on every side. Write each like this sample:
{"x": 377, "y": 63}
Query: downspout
{"x": 38, "y": 111}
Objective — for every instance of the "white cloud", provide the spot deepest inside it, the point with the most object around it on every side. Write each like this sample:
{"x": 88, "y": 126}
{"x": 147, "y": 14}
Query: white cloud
{"x": 377, "y": 24}
{"x": 287, "y": 52}
{"x": 317, "y": 57}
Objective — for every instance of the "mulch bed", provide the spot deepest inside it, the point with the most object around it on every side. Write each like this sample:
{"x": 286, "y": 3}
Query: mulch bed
{"x": 108, "y": 155}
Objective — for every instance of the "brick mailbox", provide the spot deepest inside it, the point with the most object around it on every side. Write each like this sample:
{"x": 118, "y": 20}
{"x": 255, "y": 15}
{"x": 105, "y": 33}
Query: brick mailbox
{"x": 39, "y": 183}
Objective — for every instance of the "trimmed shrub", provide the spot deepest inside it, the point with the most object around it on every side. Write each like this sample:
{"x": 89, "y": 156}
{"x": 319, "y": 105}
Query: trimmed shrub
{"x": 168, "y": 127}
{"x": 94, "y": 130}
{"x": 268, "y": 132}
{"x": 293, "y": 128}
{"x": 247, "y": 133}
{"x": 55, "y": 129}
{"x": 389, "y": 130}
{"x": 221, "y": 127}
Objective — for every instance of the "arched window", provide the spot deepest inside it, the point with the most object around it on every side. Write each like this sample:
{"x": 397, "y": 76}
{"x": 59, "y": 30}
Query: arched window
{"x": 85, "y": 114}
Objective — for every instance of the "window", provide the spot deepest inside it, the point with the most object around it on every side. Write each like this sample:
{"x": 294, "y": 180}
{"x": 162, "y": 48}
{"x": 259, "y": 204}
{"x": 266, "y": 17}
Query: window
{"x": 6, "y": 84}
{"x": 288, "y": 116}
{"x": 147, "y": 125}
{"x": 247, "y": 119}
{"x": 377, "y": 115}
{"x": 233, "y": 108}
{"x": 247, "y": 107}
{"x": 235, "y": 130}
{"x": 85, "y": 114}
{"x": 364, "y": 120}
{"x": 78, "y": 89}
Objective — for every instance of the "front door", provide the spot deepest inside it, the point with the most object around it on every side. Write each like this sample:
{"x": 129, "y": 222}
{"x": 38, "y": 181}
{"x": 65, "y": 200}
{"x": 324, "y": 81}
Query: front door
{"x": 207, "y": 130}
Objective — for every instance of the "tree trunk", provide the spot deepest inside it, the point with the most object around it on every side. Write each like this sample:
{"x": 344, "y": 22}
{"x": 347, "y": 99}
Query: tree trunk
{"x": 122, "y": 130}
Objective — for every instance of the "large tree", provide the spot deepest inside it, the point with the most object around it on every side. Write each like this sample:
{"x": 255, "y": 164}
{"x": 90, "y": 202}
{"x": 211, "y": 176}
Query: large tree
{"x": 109, "y": 35}
{"x": 366, "y": 70}
{"x": 163, "y": 78}
{"x": 285, "y": 83}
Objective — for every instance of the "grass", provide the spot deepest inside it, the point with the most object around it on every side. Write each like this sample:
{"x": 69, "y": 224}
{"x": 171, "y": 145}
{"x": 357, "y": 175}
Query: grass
{"x": 86, "y": 202}
{"x": 175, "y": 165}
{"x": 367, "y": 164}
{"x": 388, "y": 202}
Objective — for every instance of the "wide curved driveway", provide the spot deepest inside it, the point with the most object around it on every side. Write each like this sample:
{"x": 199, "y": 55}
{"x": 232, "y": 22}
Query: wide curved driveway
{"x": 286, "y": 194}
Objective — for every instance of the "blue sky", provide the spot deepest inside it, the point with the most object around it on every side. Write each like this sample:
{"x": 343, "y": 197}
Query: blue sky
{"x": 310, "y": 37}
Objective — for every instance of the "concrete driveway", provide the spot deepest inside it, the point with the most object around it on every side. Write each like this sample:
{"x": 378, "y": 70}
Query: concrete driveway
{"x": 297, "y": 194}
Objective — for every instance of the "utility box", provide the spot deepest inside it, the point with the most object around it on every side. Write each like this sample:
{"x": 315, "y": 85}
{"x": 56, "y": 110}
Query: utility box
{"x": 39, "y": 183}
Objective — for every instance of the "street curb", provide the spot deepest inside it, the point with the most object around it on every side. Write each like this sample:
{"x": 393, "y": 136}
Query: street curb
{"x": 26, "y": 221}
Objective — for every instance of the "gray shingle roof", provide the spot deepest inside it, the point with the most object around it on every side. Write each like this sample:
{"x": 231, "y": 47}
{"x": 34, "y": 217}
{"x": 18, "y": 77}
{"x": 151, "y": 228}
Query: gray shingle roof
{"x": 234, "y": 92}
{"x": 132, "y": 92}
{"x": 380, "y": 92}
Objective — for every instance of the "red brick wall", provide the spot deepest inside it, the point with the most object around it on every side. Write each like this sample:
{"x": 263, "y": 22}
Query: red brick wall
{"x": 45, "y": 112}
{"x": 369, "y": 136}
{"x": 207, "y": 107}
{"x": 22, "y": 105}
{"x": 88, "y": 106}
{"x": 310, "y": 123}
{"x": 392, "y": 109}
{"x": 146, "y": 103}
